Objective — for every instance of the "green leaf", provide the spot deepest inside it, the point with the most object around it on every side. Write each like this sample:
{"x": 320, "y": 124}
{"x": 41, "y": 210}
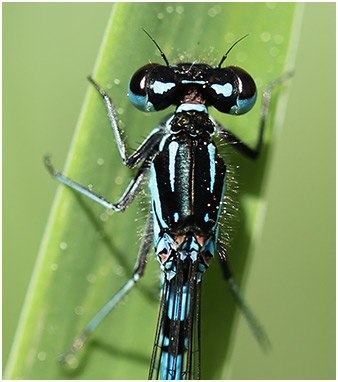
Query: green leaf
{"x": 87, "y": 254}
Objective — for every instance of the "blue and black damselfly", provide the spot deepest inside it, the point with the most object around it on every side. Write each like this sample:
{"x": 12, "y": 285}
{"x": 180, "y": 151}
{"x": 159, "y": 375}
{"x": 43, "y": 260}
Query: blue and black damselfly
{"x": 187, "y": 181}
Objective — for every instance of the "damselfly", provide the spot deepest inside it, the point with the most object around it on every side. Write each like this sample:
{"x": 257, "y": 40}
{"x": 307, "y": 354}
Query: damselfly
{"x": 187, "y": 184}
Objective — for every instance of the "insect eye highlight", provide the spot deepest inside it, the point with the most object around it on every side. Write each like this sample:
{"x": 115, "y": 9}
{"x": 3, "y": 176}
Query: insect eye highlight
{"x": 246, "y": 90}
{"x": 138, "y": 88}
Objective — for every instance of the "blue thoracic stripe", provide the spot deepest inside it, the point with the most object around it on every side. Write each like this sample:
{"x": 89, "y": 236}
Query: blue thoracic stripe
{"x": 153, "y": 185}
{"x": 173, "y": 147}
{"x": 212, "y": 153}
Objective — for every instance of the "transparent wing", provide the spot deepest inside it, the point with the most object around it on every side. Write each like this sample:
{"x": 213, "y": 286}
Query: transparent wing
{"x": 176, "y": 353}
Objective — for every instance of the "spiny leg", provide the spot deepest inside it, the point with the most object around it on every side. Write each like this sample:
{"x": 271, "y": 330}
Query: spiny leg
{"x": 127, "y": 197}
{"x": 253, "y": 322}
{"x": 69, "y": 356}
{"x": 144, "y": 149}
{"x": 144, "y": 153}
{"x": 252, "y": 153}
{"x": 236, "y": 142}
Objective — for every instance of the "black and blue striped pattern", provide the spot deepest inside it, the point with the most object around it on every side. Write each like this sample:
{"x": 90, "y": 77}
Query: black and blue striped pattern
{"x": 187, "y": 184}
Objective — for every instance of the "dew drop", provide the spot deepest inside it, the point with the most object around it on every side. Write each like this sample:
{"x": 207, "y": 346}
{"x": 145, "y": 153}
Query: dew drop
{"x": 118, "y": 180}
{"x": 229, "y": 37}
{"x": 73, "y": 363}
{"x": 212, "y": 12}
{"x": 274, "y": 51}
{"x": 42, "y": 356}
{"x": 241, "y": 56}
{"x": 54, "y": 267}
{"x": 63, "y": 245}
{"x": 265, "y": 36}
{"x": 179, "y": 10}
{"x": 278, "y": 39}
{"x": 120, "y": 271}
{"x": 104, "y": 217}
{"x": 91, "y": 278}
{"x": 79, "y": 310}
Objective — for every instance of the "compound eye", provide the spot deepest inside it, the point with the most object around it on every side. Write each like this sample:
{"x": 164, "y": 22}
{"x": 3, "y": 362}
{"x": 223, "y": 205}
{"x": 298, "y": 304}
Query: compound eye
{"x": 162, "y": 86}
{"x": 232, "y": 90}
{"x": 246, "y": 91}
{"x": 138, "y": 88}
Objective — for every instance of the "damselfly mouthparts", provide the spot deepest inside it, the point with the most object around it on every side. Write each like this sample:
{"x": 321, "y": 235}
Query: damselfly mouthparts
{"x": 187, "y": 185}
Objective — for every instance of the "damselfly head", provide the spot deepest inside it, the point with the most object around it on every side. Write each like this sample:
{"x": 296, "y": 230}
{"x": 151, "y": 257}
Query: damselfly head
{"x": 155, "y": 87}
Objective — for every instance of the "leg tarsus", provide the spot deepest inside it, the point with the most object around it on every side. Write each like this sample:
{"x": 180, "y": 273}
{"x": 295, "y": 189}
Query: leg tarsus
{"x": 78, "y": 187}
{"x": 254, "y": 324}
{"x": 127, "y": 197}
{"x": 69, "y": 356}
{"x": 49, "y": 165}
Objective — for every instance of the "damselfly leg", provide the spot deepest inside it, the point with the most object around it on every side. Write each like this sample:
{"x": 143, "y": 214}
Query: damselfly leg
{"x": 145, "y": 154}
{"x": 147, "y": 240}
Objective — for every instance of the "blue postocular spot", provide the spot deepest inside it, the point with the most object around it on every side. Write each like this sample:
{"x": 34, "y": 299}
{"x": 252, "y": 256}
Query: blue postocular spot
{"x": 162, "y": 87}
{"x": 225, "y": 90}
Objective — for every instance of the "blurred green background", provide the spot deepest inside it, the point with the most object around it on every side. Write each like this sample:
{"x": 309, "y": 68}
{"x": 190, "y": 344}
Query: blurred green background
{"x": 50, "y": 48}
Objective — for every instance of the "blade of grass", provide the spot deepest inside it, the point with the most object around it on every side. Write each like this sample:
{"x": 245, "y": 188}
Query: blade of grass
{"x": 87, "y": 254}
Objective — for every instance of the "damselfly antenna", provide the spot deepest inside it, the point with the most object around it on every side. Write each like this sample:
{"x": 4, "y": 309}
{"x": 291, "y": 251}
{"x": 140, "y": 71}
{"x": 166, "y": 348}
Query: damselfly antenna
{"x": 226, "y": 54}
{"x": 158, "y": 47}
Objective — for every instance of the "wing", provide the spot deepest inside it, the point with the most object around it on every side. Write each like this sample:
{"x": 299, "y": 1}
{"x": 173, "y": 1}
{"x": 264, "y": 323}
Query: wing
{"x": 176, "y": 353}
